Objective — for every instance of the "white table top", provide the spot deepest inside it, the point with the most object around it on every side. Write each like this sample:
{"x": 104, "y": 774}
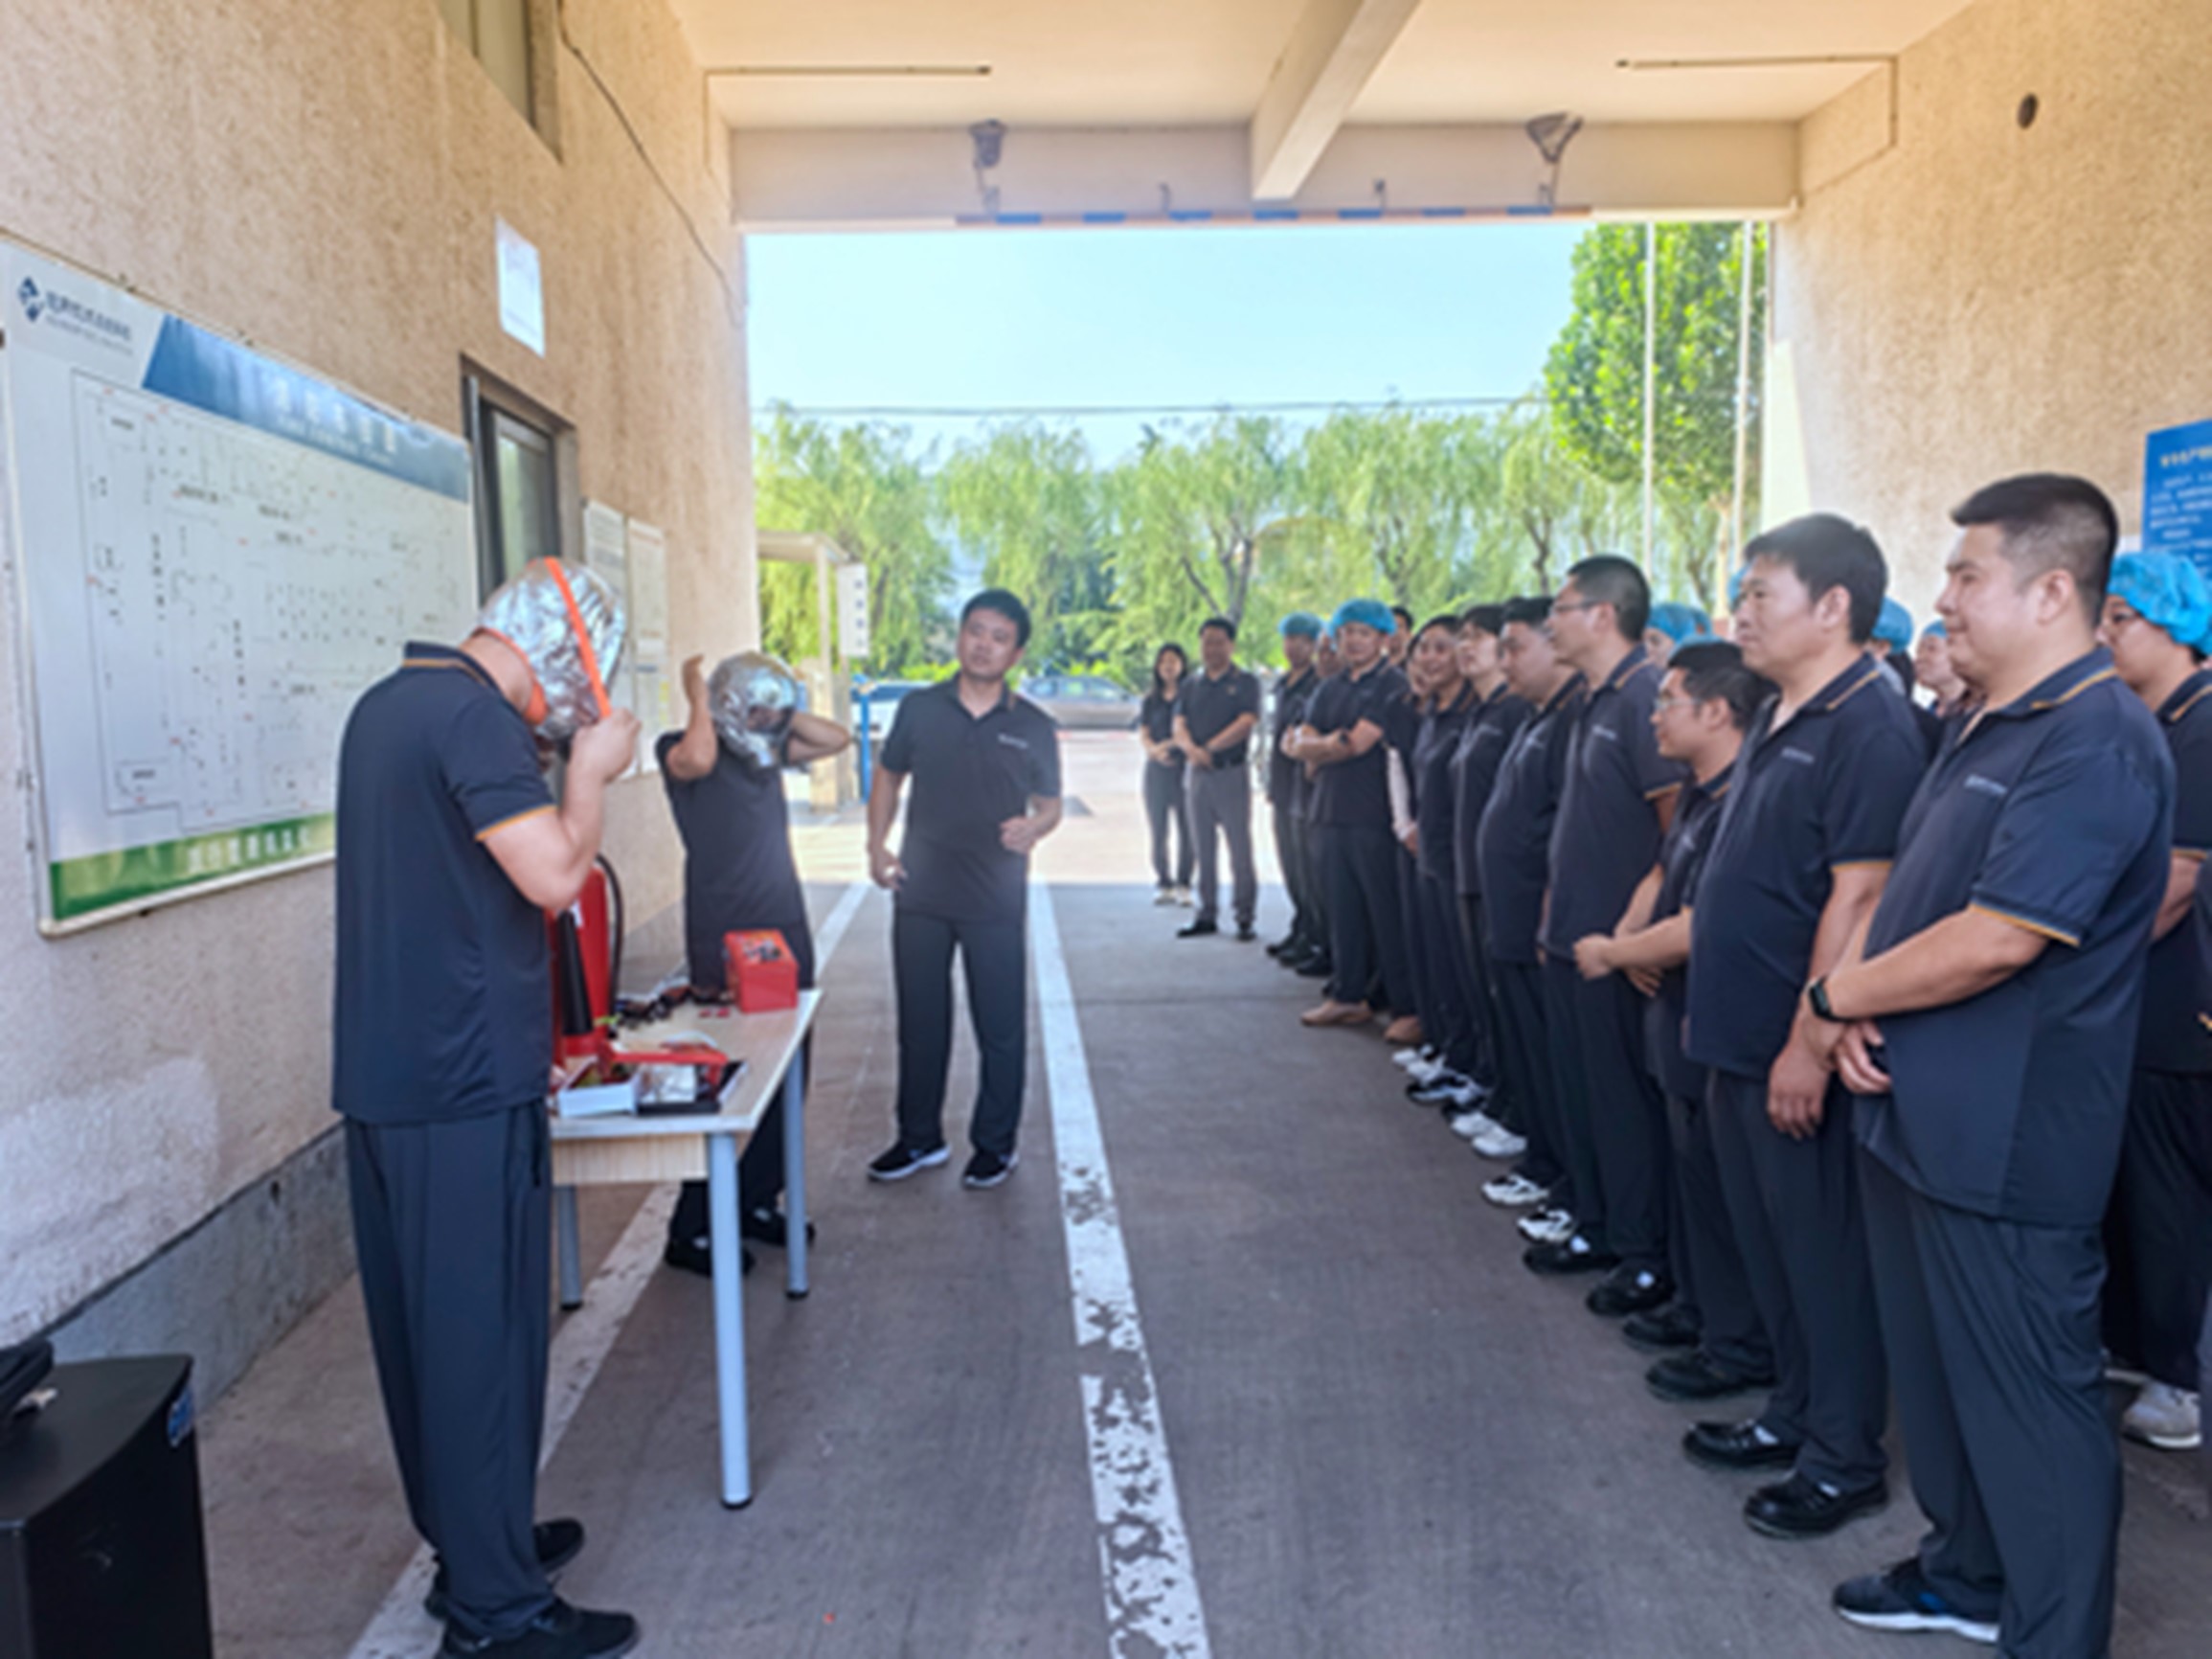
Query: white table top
{"x": 766, "y": 1042}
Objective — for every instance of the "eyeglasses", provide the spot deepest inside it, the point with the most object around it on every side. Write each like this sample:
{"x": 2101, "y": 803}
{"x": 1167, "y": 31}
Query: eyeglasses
{"x": 1661, "y": 705}
{"x": 1578, "y": 604}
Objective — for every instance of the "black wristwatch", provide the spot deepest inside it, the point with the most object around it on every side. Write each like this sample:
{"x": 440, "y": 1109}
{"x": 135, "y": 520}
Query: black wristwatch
{"x": 1817, "y": 994}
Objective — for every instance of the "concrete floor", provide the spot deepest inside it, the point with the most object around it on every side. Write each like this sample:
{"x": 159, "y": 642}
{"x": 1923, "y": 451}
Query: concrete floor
{"x": 1389, "y": 1439}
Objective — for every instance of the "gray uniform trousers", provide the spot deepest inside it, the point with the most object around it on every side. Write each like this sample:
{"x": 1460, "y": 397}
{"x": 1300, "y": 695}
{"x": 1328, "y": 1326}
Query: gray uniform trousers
{"x": 1221, "y": 800}
{"x": 1794, "y": 1206}
{"x": 452, "y": 1225}
{"x": 1992, "y": 1330}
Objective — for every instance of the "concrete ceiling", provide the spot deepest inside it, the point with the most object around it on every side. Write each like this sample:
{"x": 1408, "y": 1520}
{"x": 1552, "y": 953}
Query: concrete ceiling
{"x": 1190, "y": 64}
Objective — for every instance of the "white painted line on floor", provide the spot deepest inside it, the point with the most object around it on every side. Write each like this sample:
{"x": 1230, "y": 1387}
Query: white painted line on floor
{"x": 400, "y": 1628}
{"x": 1152, "y": 1600}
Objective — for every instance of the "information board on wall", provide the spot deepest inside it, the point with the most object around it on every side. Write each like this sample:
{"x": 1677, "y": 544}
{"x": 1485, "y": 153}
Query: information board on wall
{"x": 216, "y": 554}
{"x": 2178, "y": 493}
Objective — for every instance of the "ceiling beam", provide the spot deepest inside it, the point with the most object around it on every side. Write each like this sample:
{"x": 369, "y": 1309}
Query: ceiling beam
{"x": 1336, "y": 46}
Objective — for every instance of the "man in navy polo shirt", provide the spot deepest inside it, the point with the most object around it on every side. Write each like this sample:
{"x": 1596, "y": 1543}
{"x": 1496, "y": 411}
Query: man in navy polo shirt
{"x": 1802, "y": 851}
{"x": 2159, "y": 1232}
{"x": 1989, "y": 1022}
{"x": 1214, "y": 717}
{"x": 985, "y": 766}
{"x": 1300, "y": 630}
{"x": 1512, "y": 853}
{"x": 450, "y": 851}
{"x": 1706, "y": 702}
{"x": 1618, "y": 797}
{"x": 1341, "y": 741}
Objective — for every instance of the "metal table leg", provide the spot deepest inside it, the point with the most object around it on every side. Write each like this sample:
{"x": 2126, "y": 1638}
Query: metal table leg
{"x": 795, "y": 1175}
{"x": 572, "y": 1269}
{"x": 728, "y": 1252}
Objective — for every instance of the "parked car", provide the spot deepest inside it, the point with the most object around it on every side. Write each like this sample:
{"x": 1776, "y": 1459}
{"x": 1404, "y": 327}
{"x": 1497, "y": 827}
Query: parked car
{"x": 883, "y": 700}
{"x": 1083, "y": 702}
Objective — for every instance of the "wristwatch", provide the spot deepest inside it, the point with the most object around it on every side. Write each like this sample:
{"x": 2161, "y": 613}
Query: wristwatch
{"x": 1817, "y": 994}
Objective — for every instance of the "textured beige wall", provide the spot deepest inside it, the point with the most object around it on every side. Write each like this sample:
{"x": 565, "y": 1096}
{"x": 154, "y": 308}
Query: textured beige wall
{"x": 322, "y": 180}
{"x": 1984, "y": 299}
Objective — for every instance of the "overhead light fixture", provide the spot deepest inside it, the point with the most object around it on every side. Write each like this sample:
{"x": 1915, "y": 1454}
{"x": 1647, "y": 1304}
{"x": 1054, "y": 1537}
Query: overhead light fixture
{"x": 1551, "y": 134}
{"x": 989, "y": 137}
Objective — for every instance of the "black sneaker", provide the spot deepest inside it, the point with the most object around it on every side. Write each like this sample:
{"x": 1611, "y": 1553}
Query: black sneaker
{"x": 1739, "y": 1445}
{"x": 1316, "y": 968}
{"x": 1197, "y": 928}
{"x": 1665, "y": 1329}
{"x": 1244, "y": 933}
{"x": 1684, "y": 1378}
{"x": 697, "y": 1256}
{"x": 559, "y": 1632}
{"x": 903, "y": 1160}
{"x": 1902, "y": 1599}
{"x": 988, "y": 1169}
{"x": 1573, "y": 1253}
{"x": 558, "y": 1543}
{"x": 1628, "y": 1289}
{"x": 765, "y": 1224}
{"x": 1804, "y": 1508}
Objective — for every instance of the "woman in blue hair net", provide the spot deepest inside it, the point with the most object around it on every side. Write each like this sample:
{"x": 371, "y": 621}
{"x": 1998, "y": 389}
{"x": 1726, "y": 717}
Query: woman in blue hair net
{"x": 1675, "y": 623}
{"x": 2159, "y": 1231}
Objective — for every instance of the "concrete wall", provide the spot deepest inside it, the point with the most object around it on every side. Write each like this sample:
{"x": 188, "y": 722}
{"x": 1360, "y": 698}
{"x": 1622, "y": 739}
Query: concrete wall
{"x": 1984, "y": 299}
{"x": 322, "y": 180}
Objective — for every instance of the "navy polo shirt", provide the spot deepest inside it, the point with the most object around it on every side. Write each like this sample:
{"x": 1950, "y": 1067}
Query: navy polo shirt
{"x": 2052, "y": 812}
{"x": 1607, "y": 834}
{"x": 738, "y": 873}
{"x": 1430, "y": 769}
{"x": 1512, "y": 845}
{"x": 1210, "y": 707}
{"x": 1156, "y": 717}
{"x": 2177, "y": 985}
{"x": 1682, "y": 855}
{"x": 1490, "y": 731}
{"x": 1286, "y": 777}
{"x": 967, "y": 775}
{"x": 444, "y": 991}
{"x": 1355, "y": 793}
{"x": 1825, "y": 791}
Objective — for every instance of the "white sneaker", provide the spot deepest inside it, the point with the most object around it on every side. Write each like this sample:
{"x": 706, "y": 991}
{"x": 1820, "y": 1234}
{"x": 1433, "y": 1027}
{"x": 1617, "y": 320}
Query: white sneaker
{"x": 1410, "y": 1057}
{"x": 1163, "y": 895}
{"x": 1547, "y": 1226}
{"x": 1474, "y": 1121}
{"x": 1499, "y": 1143}
{"x": 1512, "y": 1192}
{"x": 1183, "y": 899}
{"x": 2164, "y": 1416}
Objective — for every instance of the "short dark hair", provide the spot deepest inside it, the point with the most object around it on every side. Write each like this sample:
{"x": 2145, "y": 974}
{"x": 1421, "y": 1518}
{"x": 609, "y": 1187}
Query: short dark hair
{"x": 1222, "y": 622}
{"x": 1608, "y": 578}
{"x": 1000, "y": 603}
{"x": 1713, "y": 669}
{"x": 1531, "y": 610}
{"x": 2050, "y": 521}
{"x": 1405, "y": 616}
{"x": 1489, "y": 619}
{"x": 1449, "y": 620}
{"x": 1828, "y": 551}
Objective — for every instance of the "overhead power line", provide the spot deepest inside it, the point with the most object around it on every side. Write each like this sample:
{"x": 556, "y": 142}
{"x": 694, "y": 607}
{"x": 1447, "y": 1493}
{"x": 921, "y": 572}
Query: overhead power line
{"x": 1316, "y": 407}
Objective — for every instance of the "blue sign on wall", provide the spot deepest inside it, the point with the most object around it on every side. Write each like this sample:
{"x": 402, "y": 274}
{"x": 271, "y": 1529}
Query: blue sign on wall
{"x": 2177, "y": 493}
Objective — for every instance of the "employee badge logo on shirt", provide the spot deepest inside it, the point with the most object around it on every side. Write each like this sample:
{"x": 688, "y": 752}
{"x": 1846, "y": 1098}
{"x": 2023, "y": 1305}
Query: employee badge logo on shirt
{"x": 1801, "y": 755}
{"x": 1012, "y": 741}
{"x": 1989, "y": 787}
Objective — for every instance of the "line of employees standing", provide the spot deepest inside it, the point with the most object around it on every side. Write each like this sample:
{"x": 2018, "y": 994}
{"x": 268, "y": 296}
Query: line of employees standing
{"x": 1838, "y": 1042}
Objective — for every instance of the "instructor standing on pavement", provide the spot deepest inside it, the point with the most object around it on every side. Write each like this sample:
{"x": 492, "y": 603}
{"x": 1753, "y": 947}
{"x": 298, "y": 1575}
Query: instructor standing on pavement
{"x": 985, "y": 766}
{"x": 1214, "y": 718}
{"x": 450, "y": 851}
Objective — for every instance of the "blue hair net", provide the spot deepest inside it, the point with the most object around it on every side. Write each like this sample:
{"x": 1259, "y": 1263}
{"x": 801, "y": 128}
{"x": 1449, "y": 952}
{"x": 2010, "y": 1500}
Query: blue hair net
{"x": 1680, "y": 622}
{"x": 1369, "y": 612}
{"x": 1935, "y": 631}
{"x": 1894, "y": 626}
{"x": 2166, "y": 591}
{"x": 1736, "y": 585}
{"x": 1302, "y": 625}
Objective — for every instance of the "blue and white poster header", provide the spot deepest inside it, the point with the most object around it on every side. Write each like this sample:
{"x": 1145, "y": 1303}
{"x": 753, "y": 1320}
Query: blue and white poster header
{"x": 2177, "y": 493}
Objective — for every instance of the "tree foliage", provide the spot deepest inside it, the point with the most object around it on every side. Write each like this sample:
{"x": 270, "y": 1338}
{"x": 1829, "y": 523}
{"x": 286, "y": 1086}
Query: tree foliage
{"x": 1027, "y": 499}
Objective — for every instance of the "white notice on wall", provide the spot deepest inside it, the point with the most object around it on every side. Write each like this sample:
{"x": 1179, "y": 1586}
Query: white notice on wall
{"x": 521, "y": 289}
{"x": 853, "y": 611}
{"x": 649, "y": 560}
{"x": 607, "y": 547}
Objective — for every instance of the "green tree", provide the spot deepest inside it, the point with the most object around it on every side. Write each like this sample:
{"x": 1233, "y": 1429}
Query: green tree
{"x": 863, "y": 488}
{"x": 1029, "y": 501}
{"x": 1397, "y": 490}
{"x": 1556, "y": 509}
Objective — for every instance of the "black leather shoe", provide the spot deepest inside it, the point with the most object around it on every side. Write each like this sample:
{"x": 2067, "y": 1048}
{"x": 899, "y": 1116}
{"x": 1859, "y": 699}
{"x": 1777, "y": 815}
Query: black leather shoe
{"x": 1662, "y": 1330}
{"x": 1244, "y": 933}
{"x": 1627, "y": 1291}
{"x": 1738, "y": 1445}
{"x": 1802, "y": 1508}
{"x": 558, "y": 1543}
{"x": 1199, "y": 927}
{"x": 766, "y": 1224}
{"x": 1696, "y": 1376}
{"x": 1573, "y": 1254}
{"x": 559, "y": 1632}
{"x": 1316, "y": 968}
{"x": 696, "y": 1256}
{"x": 1289, "y": 947}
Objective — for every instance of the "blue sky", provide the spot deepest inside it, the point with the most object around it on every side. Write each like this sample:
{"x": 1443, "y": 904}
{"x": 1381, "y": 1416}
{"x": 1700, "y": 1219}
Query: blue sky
{"x": 1246, "y": 316}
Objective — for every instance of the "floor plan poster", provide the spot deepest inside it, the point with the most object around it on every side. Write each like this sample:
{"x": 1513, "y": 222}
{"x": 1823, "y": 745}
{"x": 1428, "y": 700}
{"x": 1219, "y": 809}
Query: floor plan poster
{"x": 217, "y": 554}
